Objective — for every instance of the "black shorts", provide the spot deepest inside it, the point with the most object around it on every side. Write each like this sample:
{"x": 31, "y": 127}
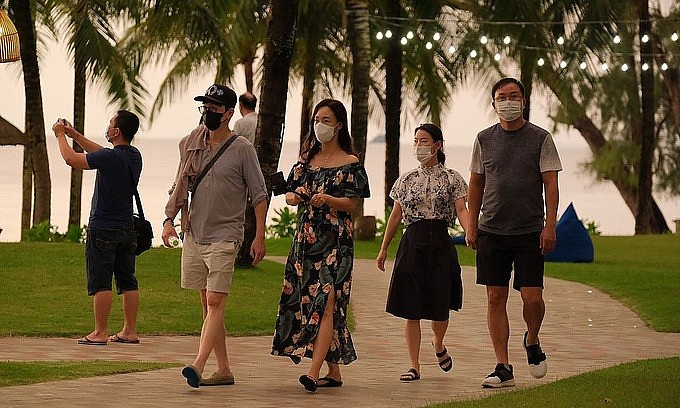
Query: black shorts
{"x": 497, "y": 254}
{"x": 110, "y": 252}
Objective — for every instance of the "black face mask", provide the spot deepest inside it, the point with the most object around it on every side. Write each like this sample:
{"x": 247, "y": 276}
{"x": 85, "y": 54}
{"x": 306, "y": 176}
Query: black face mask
{"x": 212, "y": 120}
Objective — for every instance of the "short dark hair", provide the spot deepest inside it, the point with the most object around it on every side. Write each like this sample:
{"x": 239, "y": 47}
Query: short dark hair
{"x": 504, "y": 81}
{"x": 248, "y": 101}
{"x": 128, "y": 123}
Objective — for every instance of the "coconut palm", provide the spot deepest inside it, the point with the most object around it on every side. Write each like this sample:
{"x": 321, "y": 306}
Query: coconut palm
{"x": 36, "y": 164}
{"x": 90, "y": 28}
{"x": 586, "y": 28}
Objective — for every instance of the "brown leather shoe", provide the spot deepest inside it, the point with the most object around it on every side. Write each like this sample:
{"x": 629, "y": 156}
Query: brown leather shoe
{"x": 218, "y": 379}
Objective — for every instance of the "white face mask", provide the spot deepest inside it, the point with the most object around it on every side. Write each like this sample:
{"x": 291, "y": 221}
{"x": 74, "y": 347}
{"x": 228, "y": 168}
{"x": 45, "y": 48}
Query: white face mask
{"x": 324, "y": 133}
{"x": 423, "y": 153}
{"x": 509, "y": 110}
{"x": 106, "y": 135}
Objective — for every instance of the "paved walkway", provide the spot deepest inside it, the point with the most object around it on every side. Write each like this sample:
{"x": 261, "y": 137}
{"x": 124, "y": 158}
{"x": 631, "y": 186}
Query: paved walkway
{"x": 583, "y": 330}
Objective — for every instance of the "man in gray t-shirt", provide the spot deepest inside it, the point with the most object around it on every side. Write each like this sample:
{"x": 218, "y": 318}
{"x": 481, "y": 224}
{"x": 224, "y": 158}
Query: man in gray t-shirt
{"x": 514, "y": 162}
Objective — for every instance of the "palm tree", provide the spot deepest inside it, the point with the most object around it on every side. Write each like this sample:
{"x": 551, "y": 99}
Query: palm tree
{"x": 36, "y": 164}
{"x": 593, "y": 24}
{"x": 91, "y": 40}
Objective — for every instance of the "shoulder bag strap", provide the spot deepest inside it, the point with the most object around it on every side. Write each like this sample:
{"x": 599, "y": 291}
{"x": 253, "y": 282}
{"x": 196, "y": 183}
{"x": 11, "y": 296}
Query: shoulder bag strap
{"x": 212, "y": 161}
{"x": 136, "y": 193}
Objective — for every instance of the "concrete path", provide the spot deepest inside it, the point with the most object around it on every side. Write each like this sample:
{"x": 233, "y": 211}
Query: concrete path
{"x": 583, "y": 330}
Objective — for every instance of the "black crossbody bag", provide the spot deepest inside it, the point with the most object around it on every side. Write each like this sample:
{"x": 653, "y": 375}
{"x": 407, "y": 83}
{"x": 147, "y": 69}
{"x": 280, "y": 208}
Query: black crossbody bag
{"x": 143, "y": 228}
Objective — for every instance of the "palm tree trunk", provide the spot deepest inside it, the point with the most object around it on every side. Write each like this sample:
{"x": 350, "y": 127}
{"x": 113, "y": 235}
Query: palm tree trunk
{"x": 35, "y": 121}
{"x": 79, "y": 82}
{"x": 278, "y": 54}
{"x": 644, "y": 218}
{"x": 393, "y": 81}
{"x": 308, "y": 83}
{"x": 360, "y": 45}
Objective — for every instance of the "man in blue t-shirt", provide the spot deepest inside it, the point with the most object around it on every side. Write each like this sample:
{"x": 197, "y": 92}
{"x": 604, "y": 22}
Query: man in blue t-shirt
{"x": 111, "y": 240}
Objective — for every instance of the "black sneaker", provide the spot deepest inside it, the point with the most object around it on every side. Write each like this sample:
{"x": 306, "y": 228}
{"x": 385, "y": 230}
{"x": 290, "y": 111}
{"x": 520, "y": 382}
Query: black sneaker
{"x": 501, "y": 377}
{"x": 536, "y": 358}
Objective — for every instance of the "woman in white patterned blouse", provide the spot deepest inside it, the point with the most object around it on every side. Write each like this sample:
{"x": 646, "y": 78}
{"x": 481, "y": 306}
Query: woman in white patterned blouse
{"x": 426, "y": 281}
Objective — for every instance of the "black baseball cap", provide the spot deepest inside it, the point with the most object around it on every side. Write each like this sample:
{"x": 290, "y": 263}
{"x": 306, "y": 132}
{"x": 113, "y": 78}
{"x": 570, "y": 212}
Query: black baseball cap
{"x": 219, "y": 94}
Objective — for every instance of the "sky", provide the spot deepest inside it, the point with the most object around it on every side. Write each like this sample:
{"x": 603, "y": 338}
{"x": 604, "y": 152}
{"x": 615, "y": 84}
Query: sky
{"x": 470, "y": 111}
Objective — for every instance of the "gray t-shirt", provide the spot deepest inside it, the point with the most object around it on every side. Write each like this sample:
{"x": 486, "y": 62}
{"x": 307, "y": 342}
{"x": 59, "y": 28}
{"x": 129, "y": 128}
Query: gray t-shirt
{"x": 217, "y": 209}
{"x": 512, "y": 164}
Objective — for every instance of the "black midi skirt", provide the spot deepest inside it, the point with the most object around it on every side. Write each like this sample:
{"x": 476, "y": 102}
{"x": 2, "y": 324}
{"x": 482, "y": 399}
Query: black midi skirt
{"x": 426, "y": 280}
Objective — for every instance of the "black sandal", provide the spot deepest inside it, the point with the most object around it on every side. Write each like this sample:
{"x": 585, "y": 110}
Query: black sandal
{"x": 411, "y": 375}
{"x": 444, "y": 360}
{"x": 308, "y": 382}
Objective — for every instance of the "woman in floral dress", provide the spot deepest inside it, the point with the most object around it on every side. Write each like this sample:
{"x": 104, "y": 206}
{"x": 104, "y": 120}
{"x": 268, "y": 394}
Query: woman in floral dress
{"x": 426, "y": 281}
{"x": 327, "y": 182}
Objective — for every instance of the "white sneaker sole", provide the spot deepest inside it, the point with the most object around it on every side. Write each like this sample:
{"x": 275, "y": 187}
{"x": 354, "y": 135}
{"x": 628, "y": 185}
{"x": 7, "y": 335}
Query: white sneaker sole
{"x": 495, "y": 382}
{"x": 539, "y": 370}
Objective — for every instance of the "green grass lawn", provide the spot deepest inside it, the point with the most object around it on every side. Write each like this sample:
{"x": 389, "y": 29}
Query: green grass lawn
{"x": 31, "y": 372}
{"x": 648, "y": 383}
{"x": 42, "y": 293}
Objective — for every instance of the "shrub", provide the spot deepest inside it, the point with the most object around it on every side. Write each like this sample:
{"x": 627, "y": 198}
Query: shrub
{"x": 284, "y": 225}
{"x": 46, "y": 232}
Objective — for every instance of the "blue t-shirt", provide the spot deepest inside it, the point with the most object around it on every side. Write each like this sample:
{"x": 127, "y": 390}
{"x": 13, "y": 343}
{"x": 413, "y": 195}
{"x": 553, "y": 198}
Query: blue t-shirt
{"x": 113, "y": 188}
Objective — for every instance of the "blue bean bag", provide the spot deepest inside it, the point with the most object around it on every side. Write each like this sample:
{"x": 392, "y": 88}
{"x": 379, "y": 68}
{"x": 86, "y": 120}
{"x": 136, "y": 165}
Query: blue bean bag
{"x": 573, "y": 241}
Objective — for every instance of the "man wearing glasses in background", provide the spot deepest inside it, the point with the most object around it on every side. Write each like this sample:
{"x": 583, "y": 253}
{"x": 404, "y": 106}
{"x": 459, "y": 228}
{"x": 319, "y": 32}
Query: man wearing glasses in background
{"x": 212, "y": 220}
{"x": 513, "y": 163}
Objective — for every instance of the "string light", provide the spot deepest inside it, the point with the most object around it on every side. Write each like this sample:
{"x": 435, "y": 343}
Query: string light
{"x": 552, "y": 53}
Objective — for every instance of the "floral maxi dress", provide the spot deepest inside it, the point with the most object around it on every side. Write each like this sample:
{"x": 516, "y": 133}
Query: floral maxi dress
{"x": 320, "y": 260}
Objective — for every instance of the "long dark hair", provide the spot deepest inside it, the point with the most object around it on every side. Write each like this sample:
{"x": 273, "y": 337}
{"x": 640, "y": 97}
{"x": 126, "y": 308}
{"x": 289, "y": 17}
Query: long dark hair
{"x": 311, "y": 146}
{"x": 437, "y": 136}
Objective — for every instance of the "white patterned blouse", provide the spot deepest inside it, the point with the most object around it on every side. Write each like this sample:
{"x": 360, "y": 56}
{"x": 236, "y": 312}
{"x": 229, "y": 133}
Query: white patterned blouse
{"x": 429, "y": 193}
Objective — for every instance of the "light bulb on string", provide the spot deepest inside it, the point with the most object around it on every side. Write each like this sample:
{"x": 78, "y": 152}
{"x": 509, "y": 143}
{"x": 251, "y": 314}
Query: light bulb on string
{"x": 497, "y": 57}
{"x": 483, "y": 39}
{"x": 604, "y": 66}
{"x": 388, "y": 34}
{"x": 624, "y": 67}
{"x": 664, "y": 66}
{"x": 473, "y": 54}
{"x": 645, "y": 66}
{"x": 583, "y": 65}
{"x": 404, "y": 41}
{"x": 428, "y": 45}
{"x": 409, "y": 35}
{"x": 436, "y": 36}
{"x": 674, "y": 37}
{"x": 452, "y": 49}
{"x": 506, "y": 40}
{"x": 560, "y": 40}
{"x": 645, "y": 38}
{"x": 563, "y": 64}
{"x": 540, "y": 62}
{"x": 617, "y": 39}
{"x": 379, "y": 35}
